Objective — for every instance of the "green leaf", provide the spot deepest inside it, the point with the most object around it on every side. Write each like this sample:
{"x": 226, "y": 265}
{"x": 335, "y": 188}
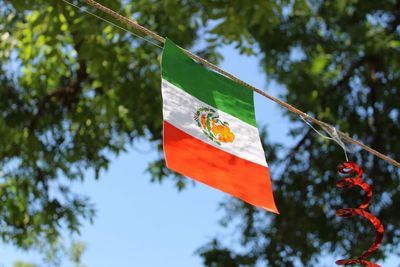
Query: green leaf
{"x": 394, "y": 44}
{"x": 319, "y": 63}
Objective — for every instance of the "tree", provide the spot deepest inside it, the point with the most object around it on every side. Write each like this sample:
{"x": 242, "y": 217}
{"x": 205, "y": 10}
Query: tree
{"x": 339, "y": 61}
{"x": 73, "y": 89}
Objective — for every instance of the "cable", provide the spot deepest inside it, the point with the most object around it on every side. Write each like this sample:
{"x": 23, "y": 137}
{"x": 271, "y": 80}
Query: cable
{"x": 324, "y": 125}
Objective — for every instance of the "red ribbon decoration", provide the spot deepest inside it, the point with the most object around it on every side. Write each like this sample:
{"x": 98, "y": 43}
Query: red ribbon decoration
{"x": 351, "y": 168}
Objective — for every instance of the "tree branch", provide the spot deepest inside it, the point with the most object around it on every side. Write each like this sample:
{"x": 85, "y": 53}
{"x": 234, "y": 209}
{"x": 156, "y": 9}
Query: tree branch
{"x": 66, "y": 95}
{"x": 348, "y": 74}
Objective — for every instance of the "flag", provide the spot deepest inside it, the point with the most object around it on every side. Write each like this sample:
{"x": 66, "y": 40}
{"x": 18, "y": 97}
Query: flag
{"x": 210, "y": 132}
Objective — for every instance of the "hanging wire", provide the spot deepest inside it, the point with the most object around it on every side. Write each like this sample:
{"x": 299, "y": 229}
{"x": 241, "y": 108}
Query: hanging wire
{"x": 111, "y": 23}
{"x": 334, "y": 136}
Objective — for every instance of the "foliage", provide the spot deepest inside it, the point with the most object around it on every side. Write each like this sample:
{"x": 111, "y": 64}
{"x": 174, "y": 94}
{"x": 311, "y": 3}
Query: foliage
{"x": 23, "y": 264}
{"x": 339, "y": 61}
{"x": 75, "y": 90}
{"x": 59, "y": 255}
{"x": 77, "y": 250}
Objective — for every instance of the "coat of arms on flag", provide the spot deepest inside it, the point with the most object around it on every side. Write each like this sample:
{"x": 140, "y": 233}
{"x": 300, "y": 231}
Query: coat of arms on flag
{"x": 210, "y": 131}
{"x": 208, "y": 120}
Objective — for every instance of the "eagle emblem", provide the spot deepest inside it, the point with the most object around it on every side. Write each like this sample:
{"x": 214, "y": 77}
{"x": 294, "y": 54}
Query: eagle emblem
{"x": 216, "y": 130}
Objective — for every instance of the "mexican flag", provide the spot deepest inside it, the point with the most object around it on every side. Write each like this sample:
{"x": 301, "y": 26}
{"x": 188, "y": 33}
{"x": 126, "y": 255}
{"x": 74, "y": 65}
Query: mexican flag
{"x": 210, "y": 131}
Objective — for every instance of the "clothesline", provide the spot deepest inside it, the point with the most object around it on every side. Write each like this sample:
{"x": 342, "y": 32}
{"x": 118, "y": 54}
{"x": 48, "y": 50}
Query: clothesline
{"x": 327, "y": 127}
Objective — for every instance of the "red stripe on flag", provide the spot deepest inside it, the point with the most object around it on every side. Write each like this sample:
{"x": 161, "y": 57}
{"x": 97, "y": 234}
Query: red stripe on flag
{"x": 214, "y": 167}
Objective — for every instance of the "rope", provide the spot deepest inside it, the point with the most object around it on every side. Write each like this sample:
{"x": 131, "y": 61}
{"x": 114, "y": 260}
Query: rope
{"x": 133, "y": 24}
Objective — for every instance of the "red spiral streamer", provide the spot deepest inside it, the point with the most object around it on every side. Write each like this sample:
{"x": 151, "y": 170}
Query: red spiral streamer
{"x": 352, "y": 168}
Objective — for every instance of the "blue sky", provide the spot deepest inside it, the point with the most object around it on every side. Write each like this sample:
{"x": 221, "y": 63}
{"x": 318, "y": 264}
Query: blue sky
{"x": 143, "y": 224}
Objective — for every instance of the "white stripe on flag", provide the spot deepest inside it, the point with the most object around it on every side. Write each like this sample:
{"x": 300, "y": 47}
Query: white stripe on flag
{"x": 179, "y": 109}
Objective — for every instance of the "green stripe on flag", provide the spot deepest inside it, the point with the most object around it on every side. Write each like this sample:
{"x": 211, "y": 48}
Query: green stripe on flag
{"x": 206, "y": 85}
